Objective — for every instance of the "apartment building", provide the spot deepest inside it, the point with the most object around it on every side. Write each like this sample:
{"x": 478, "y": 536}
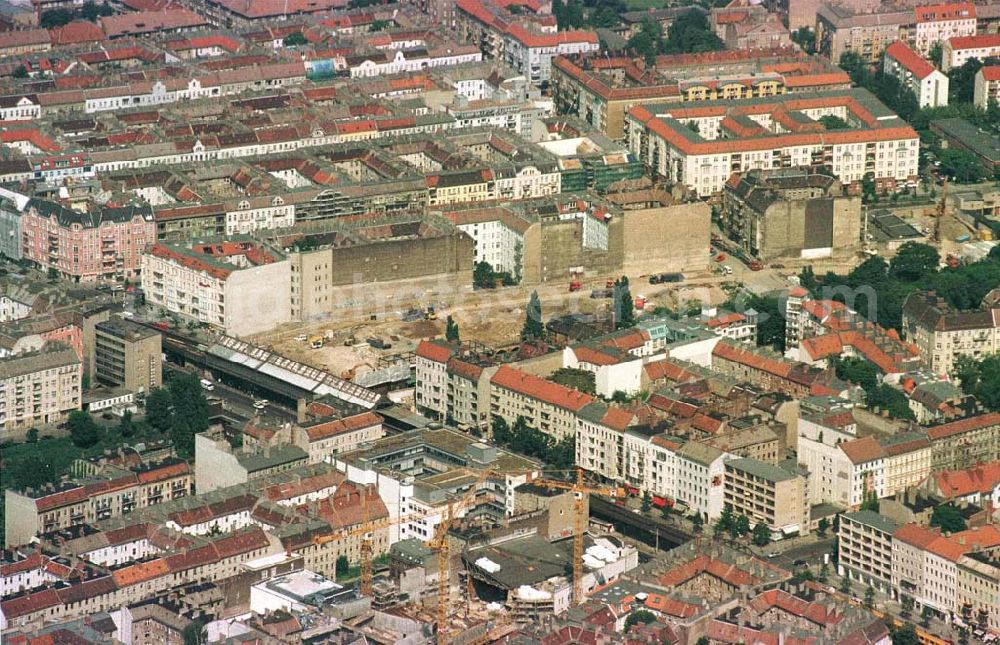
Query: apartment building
{"x": 921, "y": 77}
{"x": 925, "y": 564}
{"x": 600, "y": 90}
{"x": 987, "y": 88}
{"x": 977, "y": 588}
{"x": 937, "y": 23}
{"x": 957, "y": 51}
{"x": 324, "y": 438}
{"x": 942, "y": 334}
{"x": 864, "y": 549}
{"x": 791, "y": 213}
{"x": 966, "y": 442}
{"x": 840, "y": 29}
{"x": 907, "y": 458}
{"x": 112, "y": 492}
{"x": 601, "y": 445}
{"x": 753, "y": 365}
{"x": 127, "y": 355}
{"x": 699, "y": 476}
{"x": 468, "y": 402}
{"x": 546, "y": 406}
{"x": 237, "y": 285}
{"x": 767, "y": 493}
{"x": 527, "y": 46}
{"x": 775, "y": 132}
{"x": 430, "y": 393}
{"x": 39, "y": 388}
{"x": 102, "y": 243}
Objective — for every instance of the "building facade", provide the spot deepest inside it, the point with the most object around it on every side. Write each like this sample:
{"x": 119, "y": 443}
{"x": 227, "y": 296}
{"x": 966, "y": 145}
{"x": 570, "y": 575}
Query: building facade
{"x": 39, "y": 388}
{"x": 127, "y": 355}
{"x": 943, "y": 334}
{"x": 925, "y": 82}
{"x": 768, "y": 494}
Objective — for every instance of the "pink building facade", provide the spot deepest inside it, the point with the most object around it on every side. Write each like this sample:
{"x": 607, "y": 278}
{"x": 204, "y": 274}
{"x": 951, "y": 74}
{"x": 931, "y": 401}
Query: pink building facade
{"x": 104, "y": 244}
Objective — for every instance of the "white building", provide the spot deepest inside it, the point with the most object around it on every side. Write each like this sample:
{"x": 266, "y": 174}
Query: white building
{"x": 20, "y": 107}
{"x": 401, "y": 61}
{"x": 699, "y": 477}
{"x": 937, "y": 23}
{"x": 957, "y": 51}
{"x": 701, "y": 147}
{"x": 238, "y": 286}
{"x": 987, "y": 86}
{"x": 927, "y": 84}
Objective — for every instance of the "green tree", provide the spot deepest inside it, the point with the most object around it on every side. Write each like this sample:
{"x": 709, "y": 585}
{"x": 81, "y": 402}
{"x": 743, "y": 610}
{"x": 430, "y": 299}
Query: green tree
{"x": 126, "y": 427}
{"x": 962, "y": 81}
{"x": 905, "y": 635}
{"x": 31, "y": 436}
{"x": 158, "y": 409}
{"x": 451, "y": 331}
{"x": 868, "y": 194}
{"x": 194, "y": 633}
{"x": 582, "y": 380}
{"x": 294, "y": 39}
{"x": 907, "y": 604}
{"x": 500, "y": 430}
{"x": 624, "y": 307}
{"x": 885, "y": 397}
{"x": 647, "y": 41}
{"x": 725, "y": 522}
{"x": 869, "y": 501}
{"x": 342, "y": 566}
{"x": 82, "y": 429}
{"x": 483, "y": 276}
{"x": 869, "y": 597}
{"x": 190, "y": 413}
{"x": 960, "y": 165}
{"x": 20, "y": 72}
{"x": 697, "y": 524}
{"x": 822, "y": 526}
{"x": 703, "y": 641}
{"x": 925, "y": 616}
{"x": 824, "y": 573}
{"x": 833, "y": 122}
{"x": 856, "y": 67}
{"x": 647, "y": 501}
{"x": 690, "y": 33}
{"x": 55, "y": 18}
{"x": 379, "y": 25}
{"x": 533, "y": 328}
{"x": 934, "y": 54}
{"x": 948, "y": 518}
{"x": 856, "y": 370}
{"x": 805, "y": 38}
{"x": 761, "y": 534}
{"x": 31, "y": 473}
{"x": 845, "y": 585}
{"x": 639, "y": 616}
{"x": 740, "y": 526}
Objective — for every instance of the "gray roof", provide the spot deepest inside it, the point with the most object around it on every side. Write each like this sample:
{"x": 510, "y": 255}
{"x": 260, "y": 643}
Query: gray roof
{"x": 51, "y": 356}
{"x": 698, "y": 452}
{"x": 277, "y": 456}
{"x": 872, "y": 519}
{"x": 761, "y": 469}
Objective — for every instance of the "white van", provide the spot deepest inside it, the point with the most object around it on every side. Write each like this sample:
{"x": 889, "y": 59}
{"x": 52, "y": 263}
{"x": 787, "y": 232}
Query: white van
{"x": 728, "y": 270}
{"x": 208, "y": 385}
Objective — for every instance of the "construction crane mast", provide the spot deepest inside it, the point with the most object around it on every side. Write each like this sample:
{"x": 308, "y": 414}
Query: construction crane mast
{"x": 580, "y": 520}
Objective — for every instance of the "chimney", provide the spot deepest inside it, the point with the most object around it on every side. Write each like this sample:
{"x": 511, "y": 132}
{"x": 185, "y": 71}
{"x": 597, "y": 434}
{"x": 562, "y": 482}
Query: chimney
{"x": 300, "y": 411}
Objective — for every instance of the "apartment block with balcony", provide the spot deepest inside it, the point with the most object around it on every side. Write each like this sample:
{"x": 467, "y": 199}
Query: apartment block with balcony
{"x": 127, "y": 355}
{"x": 546, "y": 406}
{"x": 765, "y": 493}
{"x": 937, "y": 23}
{"x": 865, "y": 548}
{"x": 39, "y": 388}
{"x": 987, "y": 89}
{"x": 97, "y": 244}
{"x": 943, "y": 334}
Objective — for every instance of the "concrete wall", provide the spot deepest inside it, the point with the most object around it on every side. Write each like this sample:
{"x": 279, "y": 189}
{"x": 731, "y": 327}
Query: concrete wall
{"x": 20, "y": 519}
{"x": 215, "y": 465}
{"x": 258, "y": 298}
{"x": 552, "y": 248}
{"x": 667, "y": 239}
{"x": 354, "y": 276}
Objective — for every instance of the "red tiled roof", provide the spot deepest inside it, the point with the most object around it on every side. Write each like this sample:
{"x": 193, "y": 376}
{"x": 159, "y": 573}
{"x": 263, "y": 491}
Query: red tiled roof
{"x": 436, "y": 351}
{"x": 909, "y": 59}
{"x": 950, "y": 547}
{"x": 974, "y": 42}
{"x": 78, "y": 31}
{"x": 978, "y": 479}
{"x": 144, "y": 22}
{"x": 728, "y": 573}
{"x": 141, "y": 572}
{"x": 964, "y": 425}
{"x": 862, "y": 450}
{"x": 345, "y": 425}
{"x": 167, "y": 471}
{"x": 345, "y": 508}
{"x": 30, "y": 603}
{"x": 991, "y": 73}
{"x": 540, "y": 389}
{"x": 594, "y": 357}
{"x": 812, "y": 611}
{"x": 941, "y": 12}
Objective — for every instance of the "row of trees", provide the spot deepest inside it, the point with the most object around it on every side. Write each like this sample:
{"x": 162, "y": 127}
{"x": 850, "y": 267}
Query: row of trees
{"x": 526, "y": 440}
{"x": 689, "y": 33}
{"x": 739, "y": 526}
{"x": 879, "y": 288}
{"x": 181, "y": 409}
{"x": 484, "y": 276}
{"x": 90, "y": 11}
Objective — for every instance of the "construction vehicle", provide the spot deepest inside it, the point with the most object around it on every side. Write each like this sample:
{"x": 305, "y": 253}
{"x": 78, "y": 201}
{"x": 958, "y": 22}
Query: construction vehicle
{"x": 574, "y": 282}
{"x": 315, "y": 342}
{"x": 756, "y": 265}
{"x": 430, "y": 313}
{"x": 602, "y": 293}
{"x": 609, "y": 283}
